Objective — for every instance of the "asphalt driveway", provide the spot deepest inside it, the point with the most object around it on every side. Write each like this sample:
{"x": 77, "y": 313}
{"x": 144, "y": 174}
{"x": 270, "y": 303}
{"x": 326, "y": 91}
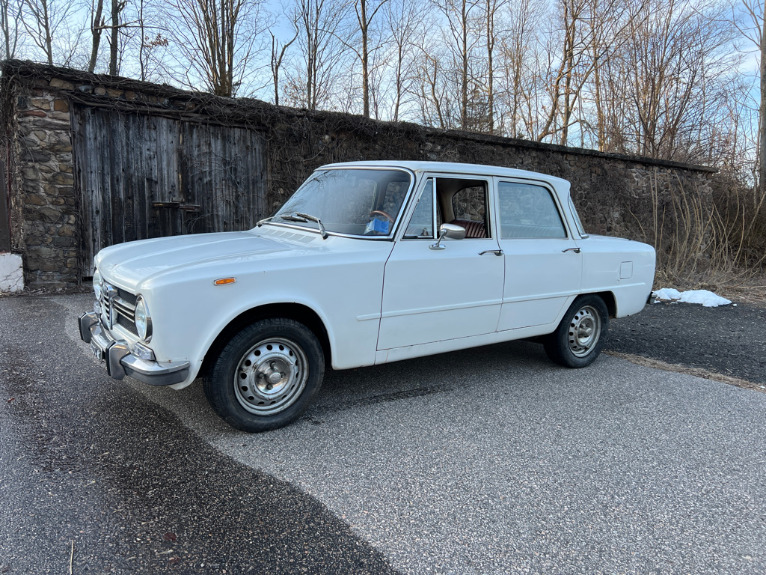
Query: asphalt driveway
{"x": 490, "y": 460}
{"x": 730, "y": 340}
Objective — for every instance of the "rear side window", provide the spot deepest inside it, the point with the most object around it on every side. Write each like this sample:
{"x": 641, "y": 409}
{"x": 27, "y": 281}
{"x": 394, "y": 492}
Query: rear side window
{"x": 528, "y": 211}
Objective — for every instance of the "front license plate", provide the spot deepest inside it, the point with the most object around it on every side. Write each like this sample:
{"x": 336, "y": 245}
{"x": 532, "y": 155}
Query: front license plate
{"x": 98, "y": 353}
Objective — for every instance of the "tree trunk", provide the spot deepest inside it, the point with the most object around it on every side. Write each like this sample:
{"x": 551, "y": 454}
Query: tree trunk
{"x": 96, "y": 28}
{"x": 464, "y": 70}
{"x": 363, "y": 24}
{"x": 762, "y": 111}
{"x": 115, "y": 33}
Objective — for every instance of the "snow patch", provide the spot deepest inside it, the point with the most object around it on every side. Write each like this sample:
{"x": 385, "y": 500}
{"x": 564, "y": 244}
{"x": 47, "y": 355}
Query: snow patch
{"x": 700, "y": 296}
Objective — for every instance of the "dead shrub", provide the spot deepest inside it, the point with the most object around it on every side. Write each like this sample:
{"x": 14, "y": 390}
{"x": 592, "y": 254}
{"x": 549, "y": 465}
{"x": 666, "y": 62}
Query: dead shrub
{"x": 707, "y": 238}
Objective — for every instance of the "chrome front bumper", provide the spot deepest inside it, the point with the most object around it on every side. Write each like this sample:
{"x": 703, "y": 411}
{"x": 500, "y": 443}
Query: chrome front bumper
{"x": 121, "y": 362}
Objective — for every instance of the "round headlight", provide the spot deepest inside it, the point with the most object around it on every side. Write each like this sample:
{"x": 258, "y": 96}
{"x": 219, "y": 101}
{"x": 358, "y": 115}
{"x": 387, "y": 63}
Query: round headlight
{"x": 97, "y": 283}
{"x": 143, "y": 320}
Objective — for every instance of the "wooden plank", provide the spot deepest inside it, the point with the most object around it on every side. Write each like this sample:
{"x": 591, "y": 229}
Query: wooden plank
{"x": 128, "y": 162}
{"x": 5, "y": 222}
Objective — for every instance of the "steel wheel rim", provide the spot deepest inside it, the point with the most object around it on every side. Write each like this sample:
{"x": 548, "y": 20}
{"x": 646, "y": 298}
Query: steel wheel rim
{"x": 584, "y": 331}
{"x": 271, "y": 376}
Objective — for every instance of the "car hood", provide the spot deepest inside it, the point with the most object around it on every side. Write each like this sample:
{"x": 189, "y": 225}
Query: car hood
{"x": 134, "y": 263}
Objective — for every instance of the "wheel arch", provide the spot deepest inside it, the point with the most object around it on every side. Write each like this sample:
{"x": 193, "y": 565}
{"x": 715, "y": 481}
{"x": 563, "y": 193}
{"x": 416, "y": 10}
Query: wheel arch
{"x": 295, "y": 311}
{"x": 610, "y": 301}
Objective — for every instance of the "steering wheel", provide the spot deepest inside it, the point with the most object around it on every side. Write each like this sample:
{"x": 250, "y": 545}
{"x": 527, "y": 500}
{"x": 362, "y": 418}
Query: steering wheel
{"x": 382, "y": 213}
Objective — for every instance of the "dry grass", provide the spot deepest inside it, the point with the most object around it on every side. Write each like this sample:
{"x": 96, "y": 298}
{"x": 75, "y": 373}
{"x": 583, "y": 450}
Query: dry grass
{"x": 714, "y": 241}
{"x": 752, "y": 291}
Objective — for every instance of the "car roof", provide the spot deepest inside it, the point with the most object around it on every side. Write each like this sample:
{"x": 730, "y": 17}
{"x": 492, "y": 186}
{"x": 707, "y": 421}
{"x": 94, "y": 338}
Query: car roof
{"x": 455, "y": 168}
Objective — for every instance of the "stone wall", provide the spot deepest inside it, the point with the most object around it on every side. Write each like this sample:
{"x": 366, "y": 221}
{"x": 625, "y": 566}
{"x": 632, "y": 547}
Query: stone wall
{"x": 44, "y": 213}
{"x": 614, "y": 194}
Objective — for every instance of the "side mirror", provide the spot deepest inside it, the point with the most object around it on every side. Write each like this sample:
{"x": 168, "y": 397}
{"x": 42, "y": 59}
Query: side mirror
{"x": 451, "y": 231}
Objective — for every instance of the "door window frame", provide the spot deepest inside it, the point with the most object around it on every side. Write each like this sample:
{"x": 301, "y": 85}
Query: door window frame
{"x": 556, "y": 203}
{"x": 489, "y": 202}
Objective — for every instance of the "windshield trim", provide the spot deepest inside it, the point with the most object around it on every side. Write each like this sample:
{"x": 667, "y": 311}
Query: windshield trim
{"x": 315, "y": 228}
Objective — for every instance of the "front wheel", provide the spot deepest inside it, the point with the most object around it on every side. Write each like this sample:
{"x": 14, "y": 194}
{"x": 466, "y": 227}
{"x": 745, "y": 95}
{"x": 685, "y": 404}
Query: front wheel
{"x": 266, "y": 376}
{"x": 580, "y": 336}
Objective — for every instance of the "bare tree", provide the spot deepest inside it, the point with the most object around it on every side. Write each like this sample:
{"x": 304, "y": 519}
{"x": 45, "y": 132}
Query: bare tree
{"x": 403, "y": 21}
{"x": 568, "y": 78}
{"x": 10, "y": 18}
{"x": 53, "y": 26}
{"x": 677, "y": 55}
{"x": 151, "y": 43}
{"x": 365, "y": 11}
{"x": 319, "y": 52}
{"x": 750, "y": 19}
{"x": 519, "y": 69}
{"x": 431, "y": 92}
{"x": 762, "y": 107}
{"x": 490, "y": 16}
{"x": 214, "y": 41}
{"x": 117, "y": 8}
{"x": 39, "y": 23}
{"x": 277, "y": 56}
{"x": 97, "y": 24}
{"x": 461, "y": 40}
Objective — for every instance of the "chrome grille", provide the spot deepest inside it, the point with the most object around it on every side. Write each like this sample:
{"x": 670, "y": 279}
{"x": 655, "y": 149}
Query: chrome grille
{"x": 124, "y": 309}
{"x": 118, "y": 307}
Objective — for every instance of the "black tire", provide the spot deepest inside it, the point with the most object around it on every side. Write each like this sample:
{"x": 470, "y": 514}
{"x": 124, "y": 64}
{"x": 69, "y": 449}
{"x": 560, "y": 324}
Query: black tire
{"x": 266, "y": 376}
{"x": 580, "y": 336}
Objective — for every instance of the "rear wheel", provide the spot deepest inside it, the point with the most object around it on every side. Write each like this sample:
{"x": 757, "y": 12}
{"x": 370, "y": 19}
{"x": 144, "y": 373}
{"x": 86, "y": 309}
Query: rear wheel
{"x": 578, "y": 340}
{"x": 266, "y": 376}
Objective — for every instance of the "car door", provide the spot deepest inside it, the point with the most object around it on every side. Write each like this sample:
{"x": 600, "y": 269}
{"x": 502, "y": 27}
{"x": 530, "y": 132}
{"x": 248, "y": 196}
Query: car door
{"x": 543, "y": 264}
{"x": 451, "y": 290}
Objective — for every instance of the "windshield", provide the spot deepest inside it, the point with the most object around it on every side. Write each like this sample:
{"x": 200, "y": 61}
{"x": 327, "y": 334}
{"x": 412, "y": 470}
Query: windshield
{"x": 358, "y": 202}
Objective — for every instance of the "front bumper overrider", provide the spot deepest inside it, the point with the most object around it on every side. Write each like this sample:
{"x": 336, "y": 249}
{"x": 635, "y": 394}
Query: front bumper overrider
{"x": 120, "y": 361}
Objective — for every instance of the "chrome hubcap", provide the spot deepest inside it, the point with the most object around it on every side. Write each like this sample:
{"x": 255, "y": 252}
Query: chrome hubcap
{"x": 270, "y": 376}
{"x": 584, "y": 331}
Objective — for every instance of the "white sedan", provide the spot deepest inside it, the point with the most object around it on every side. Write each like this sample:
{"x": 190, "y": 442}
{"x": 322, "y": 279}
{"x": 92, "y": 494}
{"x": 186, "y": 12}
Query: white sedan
{"x": 367, "y": 263}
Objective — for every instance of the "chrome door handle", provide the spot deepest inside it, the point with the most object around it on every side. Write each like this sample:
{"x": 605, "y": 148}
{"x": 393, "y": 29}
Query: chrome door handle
{"x": 575, "y": 250}
{"x": 496, "y": 252}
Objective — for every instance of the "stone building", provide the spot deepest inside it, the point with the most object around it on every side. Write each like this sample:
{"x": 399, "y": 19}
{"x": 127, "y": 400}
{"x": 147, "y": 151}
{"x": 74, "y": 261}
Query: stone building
{"x": 91, "y": 160}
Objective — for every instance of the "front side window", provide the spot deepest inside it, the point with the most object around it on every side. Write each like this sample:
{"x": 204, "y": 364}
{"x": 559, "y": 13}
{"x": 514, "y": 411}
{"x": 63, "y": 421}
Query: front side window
{"x": 422, "y": 221}
{"x": 359, "y": 202}
{"x": 528, "y": 211}
{"x": 470, "y": 204}
{"x": 458, "y": 201}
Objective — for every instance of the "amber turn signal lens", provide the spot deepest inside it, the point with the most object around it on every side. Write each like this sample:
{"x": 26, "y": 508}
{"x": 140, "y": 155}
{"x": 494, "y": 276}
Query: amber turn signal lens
{"x": 224, "y": 281}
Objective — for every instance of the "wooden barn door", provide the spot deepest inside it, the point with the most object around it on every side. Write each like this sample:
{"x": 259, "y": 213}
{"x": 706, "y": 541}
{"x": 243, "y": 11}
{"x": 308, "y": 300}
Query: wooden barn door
{"x": 143, "y": 176}
{"x": 5, "y": 218}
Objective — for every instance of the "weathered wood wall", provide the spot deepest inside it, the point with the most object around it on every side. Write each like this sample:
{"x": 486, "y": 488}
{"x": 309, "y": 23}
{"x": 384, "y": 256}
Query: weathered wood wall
{"x": 143, "y": 176}
{"x": 5, "y": 222}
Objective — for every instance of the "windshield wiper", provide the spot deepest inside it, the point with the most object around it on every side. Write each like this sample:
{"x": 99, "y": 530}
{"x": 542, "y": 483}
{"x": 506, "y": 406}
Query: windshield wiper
{"x": 263, "y": 221}
{"x": 311, "y": 218}
{"x": 293, "y": 218}
{"x": 303, "y": 218}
